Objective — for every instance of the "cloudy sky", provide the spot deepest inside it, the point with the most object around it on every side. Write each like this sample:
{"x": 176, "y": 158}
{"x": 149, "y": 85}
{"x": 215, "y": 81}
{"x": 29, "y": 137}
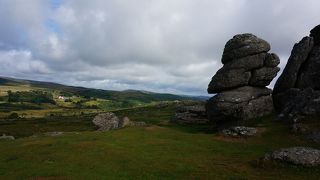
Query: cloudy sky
{"x": 170, "y": 46}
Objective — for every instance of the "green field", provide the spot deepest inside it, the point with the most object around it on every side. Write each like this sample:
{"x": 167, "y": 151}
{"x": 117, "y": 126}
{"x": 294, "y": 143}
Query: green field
{"x": 161, "y": 150}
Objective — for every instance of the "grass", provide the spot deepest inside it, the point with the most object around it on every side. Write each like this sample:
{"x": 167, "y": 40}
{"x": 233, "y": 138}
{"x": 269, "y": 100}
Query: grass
{"x": 159, "y": 151}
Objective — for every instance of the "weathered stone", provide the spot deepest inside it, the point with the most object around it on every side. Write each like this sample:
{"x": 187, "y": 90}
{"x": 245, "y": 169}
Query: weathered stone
{"x": 239, "y": 131}
{"x": 247, "y": 63}
{"x": 271, "y": 60}
{"x": 109, "y": 121}
{"x": 106, "y": 121}
{"x": 243, "y": 45}
{"x": 226, "y": 79}
{"x": 240, "y": 83}
{"x": 263, "y": 76}
{"x": 296, "y": 104}
{"x": 240, "y": 104}
{"x": 304, "y": 156}
{"x": 191, "y": 115}
{"x": 299, "y": 55}
{"x": 309, "y": 73}
{"x": 242, "y": 94}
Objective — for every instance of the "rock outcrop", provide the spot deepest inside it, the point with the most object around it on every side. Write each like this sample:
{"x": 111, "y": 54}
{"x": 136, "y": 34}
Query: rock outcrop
{"x": 241, "y": 83}
{"x": 296, "y": 94}
{"x": 304, "y": 156}
{"x": 195, "y": 114}
{"x": 109, "y": 121}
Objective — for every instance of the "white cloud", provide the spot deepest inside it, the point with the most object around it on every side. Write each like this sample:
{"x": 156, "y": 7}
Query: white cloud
{"x": 20, "y": 62}
{"x": 158, "y": 45}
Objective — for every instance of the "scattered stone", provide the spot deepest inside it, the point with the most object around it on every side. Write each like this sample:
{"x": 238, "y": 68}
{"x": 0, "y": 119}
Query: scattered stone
{"x": 190, "y": 115}
{"x": 304, "y": 156}
{"x": 53, "y": 133}
{"x": 240, "y": 83}
{"x": 109, "y": 121}
{"x": 7, "y": 137}
{"x": 106, "y": 121}
{"x": 239, "y": 131}
{"x": 125, "y": 121}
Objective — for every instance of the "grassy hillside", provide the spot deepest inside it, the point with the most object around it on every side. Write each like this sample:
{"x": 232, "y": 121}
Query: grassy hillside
{"x": 34, "y": 99}
{"x": 133, "y": 95}
{"x": 159, "y": 151}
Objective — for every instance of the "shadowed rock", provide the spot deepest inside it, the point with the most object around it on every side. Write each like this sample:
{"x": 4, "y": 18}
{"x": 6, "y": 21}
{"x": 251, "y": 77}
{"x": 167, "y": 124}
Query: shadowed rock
{"x": 299, "y": 55}
{"x": 315, "y": 33}
{"x": 296, "y": 94}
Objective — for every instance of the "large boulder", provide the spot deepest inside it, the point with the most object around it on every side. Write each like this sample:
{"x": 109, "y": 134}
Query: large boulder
{"x": 304, "y": 156}
{"x": 243, "y": 45}
{"x": 240, "y": 83}
{"x": 296, "y": 94}
{"x": 109, "y": 121}
{"x": 240, "y": 104}
{"x": 106, "y": 121}
{"x": 299, "y": 55}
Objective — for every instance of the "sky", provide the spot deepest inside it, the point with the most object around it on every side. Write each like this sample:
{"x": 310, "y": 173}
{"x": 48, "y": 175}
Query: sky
{"x": 167, "y": 46}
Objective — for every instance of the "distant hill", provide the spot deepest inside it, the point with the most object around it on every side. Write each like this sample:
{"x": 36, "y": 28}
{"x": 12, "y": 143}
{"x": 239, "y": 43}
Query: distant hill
{"x": 143, "y": 96}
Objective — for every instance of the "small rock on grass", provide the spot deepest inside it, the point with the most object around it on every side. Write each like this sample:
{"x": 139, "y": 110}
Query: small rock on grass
{"x": 304, "y": 156}
{"x": 239, "y": 131}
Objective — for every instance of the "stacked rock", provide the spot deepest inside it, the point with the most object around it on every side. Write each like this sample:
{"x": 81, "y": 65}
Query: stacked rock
{"x": 297, "y": 92}
{"x": 240, "y": 83}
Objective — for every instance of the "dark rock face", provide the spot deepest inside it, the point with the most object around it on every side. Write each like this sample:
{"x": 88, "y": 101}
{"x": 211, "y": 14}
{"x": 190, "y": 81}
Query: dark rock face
{"x": 296, "y": 94}
{"x": 299, "y": 55}
{"x": 304, "y": 156}
{"x": 240, "y": 83}
{"x": 309, "y": 74}
{"x": 190, "y": 115}
{"x": 263, "y": 76}
{"x": 315, "y": 33}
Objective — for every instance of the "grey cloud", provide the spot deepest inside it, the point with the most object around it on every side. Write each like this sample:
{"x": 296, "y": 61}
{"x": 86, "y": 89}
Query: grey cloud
{"x": 165, "y": 46}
